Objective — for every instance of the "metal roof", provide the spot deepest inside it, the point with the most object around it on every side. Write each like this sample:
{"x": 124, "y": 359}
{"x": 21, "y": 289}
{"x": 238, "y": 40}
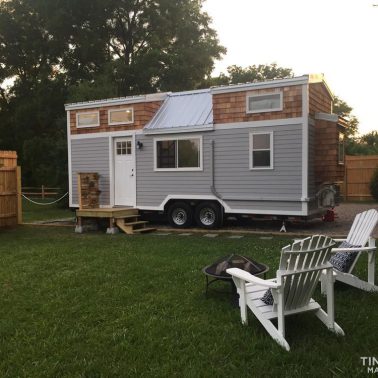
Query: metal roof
{"x": 116, "y": 101}
{"x": 184, "y": 109}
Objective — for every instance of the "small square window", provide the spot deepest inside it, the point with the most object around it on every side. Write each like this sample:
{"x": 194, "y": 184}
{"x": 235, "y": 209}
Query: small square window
{"x": 261, "y": 151}
{"x": 124, "y": 148}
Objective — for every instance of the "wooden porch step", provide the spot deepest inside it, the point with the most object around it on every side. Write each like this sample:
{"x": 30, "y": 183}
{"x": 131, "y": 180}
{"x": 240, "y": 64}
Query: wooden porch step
{"x": 145, "y": 229}
{"x": 127, "y": 216}
{"x": 136, "y": 223}
{"x": 133, "y": 227}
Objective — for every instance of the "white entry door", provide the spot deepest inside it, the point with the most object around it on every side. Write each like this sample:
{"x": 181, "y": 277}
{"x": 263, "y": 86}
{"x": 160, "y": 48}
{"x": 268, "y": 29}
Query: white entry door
{"x": 124, "y": 175}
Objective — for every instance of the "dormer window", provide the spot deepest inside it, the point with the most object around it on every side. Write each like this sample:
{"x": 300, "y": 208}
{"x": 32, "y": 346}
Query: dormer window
{"x": 120, "y": 116}
{"x": 265, "y": 102}
{"x": 88, "y": 119}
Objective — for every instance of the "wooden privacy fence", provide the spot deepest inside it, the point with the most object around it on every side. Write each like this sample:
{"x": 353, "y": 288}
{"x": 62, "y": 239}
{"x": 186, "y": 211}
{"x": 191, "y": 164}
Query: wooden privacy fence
{"x": 358, "y": 173}
{"x": 10, "y": 190}
{"x": 8, "y": 159}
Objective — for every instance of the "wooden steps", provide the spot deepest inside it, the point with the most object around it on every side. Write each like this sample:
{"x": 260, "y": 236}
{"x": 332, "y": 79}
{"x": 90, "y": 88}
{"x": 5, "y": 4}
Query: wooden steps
{"x": 131, "y": 225}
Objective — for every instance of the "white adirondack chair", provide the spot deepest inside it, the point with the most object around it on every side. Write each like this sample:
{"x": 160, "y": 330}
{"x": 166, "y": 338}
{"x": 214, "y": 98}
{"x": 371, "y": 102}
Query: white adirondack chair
{"x": 360, "y": 234}
{"x": 300, "y": 267}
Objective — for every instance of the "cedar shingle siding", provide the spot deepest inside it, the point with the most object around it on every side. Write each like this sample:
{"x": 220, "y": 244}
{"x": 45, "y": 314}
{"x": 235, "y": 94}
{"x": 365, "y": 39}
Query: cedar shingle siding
{"x": 143, "y": 113}
{"x": 231, "y": 107}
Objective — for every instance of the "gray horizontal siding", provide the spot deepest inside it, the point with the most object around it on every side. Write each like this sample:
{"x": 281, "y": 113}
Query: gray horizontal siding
{"x": 153, "y": 187}
{"x": 91, "y": 155}
{"x": 233, "y": 178}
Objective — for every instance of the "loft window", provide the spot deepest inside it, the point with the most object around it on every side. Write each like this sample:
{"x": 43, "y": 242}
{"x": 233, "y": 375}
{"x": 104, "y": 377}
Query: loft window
{"x": 120, "y": 116}
{"x": 266, "y": 102}
{"x": 341, "y": 149}
{"x": 88, "y": 119}
{"x": 178, "y": 154}
{"x": 261, "y": 150}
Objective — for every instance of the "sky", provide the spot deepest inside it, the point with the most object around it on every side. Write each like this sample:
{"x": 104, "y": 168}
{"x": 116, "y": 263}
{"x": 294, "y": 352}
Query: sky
{"x": 338, "y": 38}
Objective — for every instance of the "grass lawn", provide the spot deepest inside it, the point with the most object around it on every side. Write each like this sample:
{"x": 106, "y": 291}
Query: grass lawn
{"x": 32, "y": 212}
{"x": 94, "y": 305}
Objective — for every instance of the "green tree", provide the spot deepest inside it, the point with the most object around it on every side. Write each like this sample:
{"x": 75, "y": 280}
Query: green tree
{"x": 366, "y": 144}
{"x": 251, "y": 74}
{"x": 342, "y": 109}
{"x": 53, "y": 52}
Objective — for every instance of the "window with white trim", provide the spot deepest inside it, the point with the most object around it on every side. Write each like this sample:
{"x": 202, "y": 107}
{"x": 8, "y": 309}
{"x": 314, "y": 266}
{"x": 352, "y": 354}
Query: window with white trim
{"x": 88, "y": 119}
{"x": 178, "y": 154}
{"x": 261, "y": 151}
{"x": 120, "y": 116}
{"x": 124, "y": 147}
{"x": 341, "y": 149}
{"x": 265, "y": 102}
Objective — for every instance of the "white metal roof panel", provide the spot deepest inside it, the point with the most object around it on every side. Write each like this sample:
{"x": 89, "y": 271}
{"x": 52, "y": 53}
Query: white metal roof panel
{"x": 184, "y": 109}
{"x": 116, "y": 101}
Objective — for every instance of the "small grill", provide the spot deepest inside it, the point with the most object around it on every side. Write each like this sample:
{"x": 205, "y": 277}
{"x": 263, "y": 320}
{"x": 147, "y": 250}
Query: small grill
{"x": 217, "y": 270}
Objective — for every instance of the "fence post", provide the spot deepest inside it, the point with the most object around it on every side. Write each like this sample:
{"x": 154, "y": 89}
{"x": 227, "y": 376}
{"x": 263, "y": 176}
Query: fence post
{"x": 19, "y": 198}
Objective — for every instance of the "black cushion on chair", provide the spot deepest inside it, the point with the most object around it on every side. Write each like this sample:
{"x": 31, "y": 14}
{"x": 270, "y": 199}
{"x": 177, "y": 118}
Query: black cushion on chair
{"x": 342, "y": 261}
{"x": 267, "y": 298}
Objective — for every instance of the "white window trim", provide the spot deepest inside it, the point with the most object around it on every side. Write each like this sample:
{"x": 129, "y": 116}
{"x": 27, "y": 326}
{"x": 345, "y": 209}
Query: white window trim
{"x": 181, "y": 137}
{"x": 91, "y": 125}
{"x": 341, "y": 162}
{"x": 251, "y": 95}
{"x": 119, "y": 110}
{"x": 251, "y": 167}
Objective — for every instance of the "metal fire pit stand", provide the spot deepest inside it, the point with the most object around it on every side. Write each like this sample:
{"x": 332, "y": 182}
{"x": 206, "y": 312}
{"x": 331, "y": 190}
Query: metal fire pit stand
{"x": 255, "y": 268}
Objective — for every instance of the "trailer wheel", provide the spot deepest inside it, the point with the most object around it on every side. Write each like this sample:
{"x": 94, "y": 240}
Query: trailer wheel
{"x": 208, "y": 215}
{"x": 180, "y": 215}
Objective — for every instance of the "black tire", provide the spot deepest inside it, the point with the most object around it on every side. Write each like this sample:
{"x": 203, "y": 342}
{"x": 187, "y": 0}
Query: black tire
{"x": 208, "y": 215}
{"x": 180, "y": 215}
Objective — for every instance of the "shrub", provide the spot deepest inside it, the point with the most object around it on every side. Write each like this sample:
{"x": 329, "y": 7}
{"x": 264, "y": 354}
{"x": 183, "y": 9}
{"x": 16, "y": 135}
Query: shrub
{"x": 374, "y": 185}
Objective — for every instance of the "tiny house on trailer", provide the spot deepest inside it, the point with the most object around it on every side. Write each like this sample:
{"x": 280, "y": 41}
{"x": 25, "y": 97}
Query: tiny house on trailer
{"x": 271, "y": 148}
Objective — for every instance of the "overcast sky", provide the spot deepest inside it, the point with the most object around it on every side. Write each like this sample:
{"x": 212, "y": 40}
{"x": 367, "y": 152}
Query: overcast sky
{"x": 336, "y": 37}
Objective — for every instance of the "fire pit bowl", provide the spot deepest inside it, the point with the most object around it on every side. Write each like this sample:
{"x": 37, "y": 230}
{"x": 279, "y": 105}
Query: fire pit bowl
{"x": 217, "y": 270}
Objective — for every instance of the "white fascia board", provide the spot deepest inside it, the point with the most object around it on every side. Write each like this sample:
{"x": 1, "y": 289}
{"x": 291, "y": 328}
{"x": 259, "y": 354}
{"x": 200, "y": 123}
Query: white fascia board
{"x": 260, "y": 85}
{"x": 327, "y": 117}
{"x": 175, "y": 130}
{"x": 69, "y": 160}
{"x": 267, "y": 123}
{"x": 116, "y": 101}
{"x": 305, "y": 142}
{"x": 106, "y": 134}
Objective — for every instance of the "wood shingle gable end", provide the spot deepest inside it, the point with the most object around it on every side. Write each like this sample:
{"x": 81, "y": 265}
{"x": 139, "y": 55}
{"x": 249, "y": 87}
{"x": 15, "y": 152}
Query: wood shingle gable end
{"x": 143, "y": 113}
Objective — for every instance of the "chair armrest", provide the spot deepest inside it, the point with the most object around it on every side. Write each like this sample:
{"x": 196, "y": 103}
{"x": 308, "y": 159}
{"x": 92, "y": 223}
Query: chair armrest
{"x": 354, "y": 249}
{"x": 245, "y": 276}
{"x": 339, "y": 240}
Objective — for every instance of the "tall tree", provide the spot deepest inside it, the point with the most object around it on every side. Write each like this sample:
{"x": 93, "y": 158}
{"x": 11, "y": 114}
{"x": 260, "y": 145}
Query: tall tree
{"x": 251, "y": 74}
{"x": 54, "y": 51}
{"x": 342, "y": 109}
{"x": 366, "y": 144}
